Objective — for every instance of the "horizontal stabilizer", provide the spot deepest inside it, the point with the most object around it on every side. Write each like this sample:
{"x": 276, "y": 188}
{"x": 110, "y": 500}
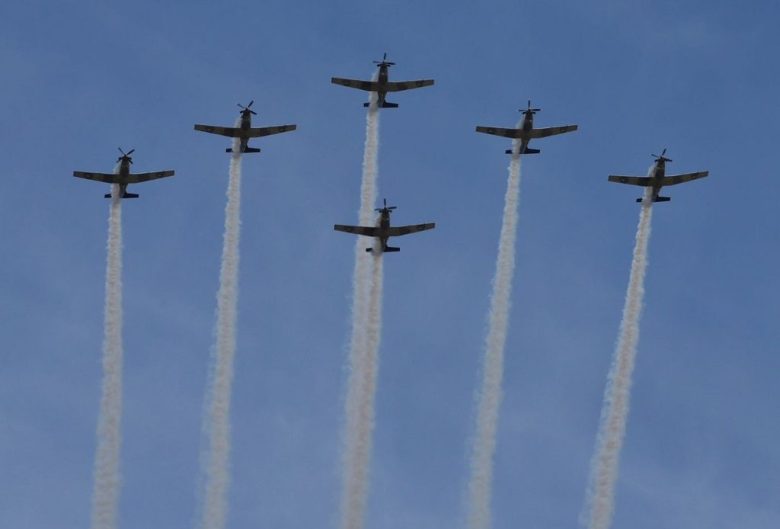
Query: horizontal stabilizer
{"x": 126, "y": 195}
{"x": 386, "y": 249}
{"x": 248, "y": 149}
{"x": 387, "y": 104}
{"x": 526, "y": 151}
{"x": 656, "y": 199}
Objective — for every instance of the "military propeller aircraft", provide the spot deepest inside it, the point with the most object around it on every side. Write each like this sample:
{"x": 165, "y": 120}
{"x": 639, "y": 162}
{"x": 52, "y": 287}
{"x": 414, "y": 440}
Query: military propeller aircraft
{"x": 382, "y": 86}
{"x": 123, "y": 176}
{"x": 527, "y": 132}
{"x": 657, "y": 178}
{"x": 383, "y": 230}
{"x": 245, "y": 130}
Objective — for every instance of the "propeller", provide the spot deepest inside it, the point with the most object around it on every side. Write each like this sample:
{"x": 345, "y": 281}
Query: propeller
{"x": 662, "y": 157}
{"x": 386, "y": 207}
{"x": 247, "y": 108}
{"x": 125, "y": 155}
{"x": 384, "y": 61}
{"x": 530, "y": 110}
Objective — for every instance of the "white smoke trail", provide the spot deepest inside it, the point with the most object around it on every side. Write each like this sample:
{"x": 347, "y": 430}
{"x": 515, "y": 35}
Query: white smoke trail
{"x": 364, "y": 343}
{"x": 489, "y": 397}
{"x": 105, "y": 496}
{"x": 217, "y": 413}
{"x": 612, "y": 427}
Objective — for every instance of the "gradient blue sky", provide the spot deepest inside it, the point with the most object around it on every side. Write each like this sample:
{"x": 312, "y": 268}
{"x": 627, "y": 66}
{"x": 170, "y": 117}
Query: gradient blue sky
{"x": 698, "y": 77}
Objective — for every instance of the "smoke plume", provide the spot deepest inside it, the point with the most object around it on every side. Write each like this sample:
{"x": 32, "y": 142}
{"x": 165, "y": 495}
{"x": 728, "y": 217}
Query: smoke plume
{"x": 216, "y": 459}
{"x": 489, "y": 396}
{"x": 105, "y": 496}
{"x": 612, "y": 427}
{"x": 364, "y": 343}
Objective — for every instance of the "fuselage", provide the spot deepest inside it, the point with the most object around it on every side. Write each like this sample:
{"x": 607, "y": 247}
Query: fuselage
{"x": 526, "y": 125}
{"x": 382, "y": 78}
{"x": 124, "y": 167}
{"x": 246, "y": 124}
{"x": 383, "y": 223}
{"x": 124, "y": 173}
{"x": 657, "y": 173}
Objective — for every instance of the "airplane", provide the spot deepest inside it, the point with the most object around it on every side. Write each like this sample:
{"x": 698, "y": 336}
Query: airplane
{"x": 657, "y": 178}
{"x": 383, "y": 230}
{"x": 382, "y": 86}
{"x": 123, "y": 176}
{"x": 245, "y": 130}
{"x": 527, "y": 132}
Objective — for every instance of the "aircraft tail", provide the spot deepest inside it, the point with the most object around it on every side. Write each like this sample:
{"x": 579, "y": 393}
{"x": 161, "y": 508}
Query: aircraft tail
{"x": 526, "y": 151}
{"x": 126, "y": 195}
{"x": 248, "y": 149}
{"x": 386, "y": 249}
{"x": 383, "y": 105}
{"x": 656, "y": 199}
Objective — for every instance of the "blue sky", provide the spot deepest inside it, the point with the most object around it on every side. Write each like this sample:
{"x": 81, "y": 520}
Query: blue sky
{"x": 699, "y": 78}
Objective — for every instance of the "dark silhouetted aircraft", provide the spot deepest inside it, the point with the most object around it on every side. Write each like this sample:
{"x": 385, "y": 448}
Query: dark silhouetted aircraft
{"x": 123, "y": 176}
{"x": 245, "y": 130}
{"x": 383, "y": 230}
{"x": 382, "y": 86}
{"x": 527, "y": 132}
{"x": 657, "y": 178}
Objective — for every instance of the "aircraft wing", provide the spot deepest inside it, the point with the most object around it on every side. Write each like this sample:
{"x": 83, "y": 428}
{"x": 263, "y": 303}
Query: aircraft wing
{"x": 357, "y": 230}
{"x": 267, "y": 131}
{"x": 414, "y": 228}
{"x": 682, "y": 178}
{"x": 137, "y": 178}
{"x": 644, "y": 181}
{"x": 368, "y": 86}
{"x": 109, "y": 178}
{"x": 551, "y": 131}
{"x": 231, "y": 132}
{"x": 400, "y": 86}
{"x": 506, "y": 133}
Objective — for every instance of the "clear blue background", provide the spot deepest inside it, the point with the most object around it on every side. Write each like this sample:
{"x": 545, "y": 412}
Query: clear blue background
{"x": 81, "y": 78}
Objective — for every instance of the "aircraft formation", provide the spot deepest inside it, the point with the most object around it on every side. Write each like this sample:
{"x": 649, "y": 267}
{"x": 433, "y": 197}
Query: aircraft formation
{"x": 381, "y": 85}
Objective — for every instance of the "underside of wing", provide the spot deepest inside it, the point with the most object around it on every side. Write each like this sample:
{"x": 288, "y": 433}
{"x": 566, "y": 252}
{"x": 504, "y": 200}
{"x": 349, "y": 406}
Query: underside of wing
{"x": 551, "y": 131}
{"x": 414, "y": 228}
{"x": 399, "y": 86}
{"x": 137, "y": 178}
{"x": 644, "y": 181}
{"x": 99, "y": 177}
{"x": 357, "y": 230}
{"x": 496, "y": 131}
{"x": 267, "y": 131}
{"x": 682, "y": 178}
{"x": 231, "y": 132}
{"x": 369, "y": 86}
